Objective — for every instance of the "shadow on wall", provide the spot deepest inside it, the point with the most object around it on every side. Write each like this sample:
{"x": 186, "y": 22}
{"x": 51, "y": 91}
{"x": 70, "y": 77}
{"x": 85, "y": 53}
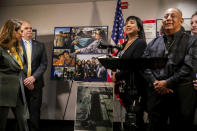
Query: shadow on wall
{"x": 52, "y": 88}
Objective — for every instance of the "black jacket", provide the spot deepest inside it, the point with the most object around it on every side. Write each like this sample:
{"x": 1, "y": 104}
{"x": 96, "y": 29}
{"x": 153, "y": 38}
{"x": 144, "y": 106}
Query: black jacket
{"x": 180, "y": 49}
{"x": 132, "y": 76}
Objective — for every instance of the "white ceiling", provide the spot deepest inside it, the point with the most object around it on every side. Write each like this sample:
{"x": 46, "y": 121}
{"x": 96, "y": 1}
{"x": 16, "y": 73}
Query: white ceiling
{"x": 41, "y": 2}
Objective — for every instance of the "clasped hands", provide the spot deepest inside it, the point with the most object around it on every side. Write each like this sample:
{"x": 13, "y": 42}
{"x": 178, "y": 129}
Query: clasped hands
{"x": 29, "y": 82}
{"x": 161, "y": 87}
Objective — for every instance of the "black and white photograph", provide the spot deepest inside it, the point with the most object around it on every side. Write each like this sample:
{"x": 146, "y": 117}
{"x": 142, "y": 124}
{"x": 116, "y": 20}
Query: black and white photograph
{"x": 94, "y": 109}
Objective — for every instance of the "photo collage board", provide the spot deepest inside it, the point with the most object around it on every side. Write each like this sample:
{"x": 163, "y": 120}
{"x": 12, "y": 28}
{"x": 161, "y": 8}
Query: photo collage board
{"x": 76, "y": 51}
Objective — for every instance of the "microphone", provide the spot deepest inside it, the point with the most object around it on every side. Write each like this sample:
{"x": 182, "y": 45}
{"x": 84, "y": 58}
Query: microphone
{"x": 105, "y": 45}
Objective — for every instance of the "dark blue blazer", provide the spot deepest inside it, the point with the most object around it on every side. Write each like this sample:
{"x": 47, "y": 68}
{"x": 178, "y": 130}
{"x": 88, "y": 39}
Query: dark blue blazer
{"x": 38, "y": 62}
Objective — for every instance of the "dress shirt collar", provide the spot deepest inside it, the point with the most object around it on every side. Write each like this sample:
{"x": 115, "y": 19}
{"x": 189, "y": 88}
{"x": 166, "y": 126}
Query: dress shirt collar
{"x": 24, "y": 41}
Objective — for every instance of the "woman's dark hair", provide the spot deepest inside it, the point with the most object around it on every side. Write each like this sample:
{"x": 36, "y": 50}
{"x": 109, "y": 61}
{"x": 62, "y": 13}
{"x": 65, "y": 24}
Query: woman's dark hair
{"x": 141, "y": 33}
{"x": 7, "y": 36}
{"x": 66, "y": 51}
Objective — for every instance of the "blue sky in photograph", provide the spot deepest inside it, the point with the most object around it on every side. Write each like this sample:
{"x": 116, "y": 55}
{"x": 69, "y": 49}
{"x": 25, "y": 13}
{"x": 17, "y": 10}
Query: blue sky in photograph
{"x": 64, "y": 29}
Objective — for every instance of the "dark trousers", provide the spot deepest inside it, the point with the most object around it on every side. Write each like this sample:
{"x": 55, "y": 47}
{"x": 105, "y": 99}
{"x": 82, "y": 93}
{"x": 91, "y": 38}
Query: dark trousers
{"x": 172, "y": 112}
{"x": 34, "y": 101}
{"x": 20, "y": 113}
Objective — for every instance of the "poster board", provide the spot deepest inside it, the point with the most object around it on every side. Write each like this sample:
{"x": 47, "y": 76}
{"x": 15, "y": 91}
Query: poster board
{"x": 149, "y": 29}
{"x": 67, "y": 40}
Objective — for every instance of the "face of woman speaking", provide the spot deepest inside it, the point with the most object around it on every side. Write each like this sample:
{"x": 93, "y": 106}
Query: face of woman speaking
{"x": 131, "y": 27}
{"x": 194, "y": 25}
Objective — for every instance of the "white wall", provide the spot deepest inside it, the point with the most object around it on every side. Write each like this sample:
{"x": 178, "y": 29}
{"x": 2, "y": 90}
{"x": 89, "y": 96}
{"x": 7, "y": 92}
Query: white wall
{"x": 45, "y": 17}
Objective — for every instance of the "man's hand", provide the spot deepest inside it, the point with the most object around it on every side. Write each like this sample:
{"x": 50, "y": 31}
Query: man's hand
{"x": 29, "y": 81}
{"x": 161, "y": 87}
{"x": 30, "y": 87}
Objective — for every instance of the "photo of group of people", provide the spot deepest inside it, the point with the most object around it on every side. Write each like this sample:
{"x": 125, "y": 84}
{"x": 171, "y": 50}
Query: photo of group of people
{"x": 70, "y": 44}
{"x": 88, "y": 67}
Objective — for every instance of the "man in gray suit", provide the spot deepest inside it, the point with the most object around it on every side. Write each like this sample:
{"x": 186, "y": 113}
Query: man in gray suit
{"x": 35, "y": 60}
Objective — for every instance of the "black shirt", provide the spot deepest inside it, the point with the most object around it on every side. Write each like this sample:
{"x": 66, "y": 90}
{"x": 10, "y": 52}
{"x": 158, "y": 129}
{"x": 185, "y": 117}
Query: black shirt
{"x": 179, "y": 49}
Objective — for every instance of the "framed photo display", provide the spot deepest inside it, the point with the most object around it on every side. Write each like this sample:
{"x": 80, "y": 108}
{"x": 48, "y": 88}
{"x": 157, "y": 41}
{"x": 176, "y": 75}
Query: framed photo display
{"x": 73, "y": 46}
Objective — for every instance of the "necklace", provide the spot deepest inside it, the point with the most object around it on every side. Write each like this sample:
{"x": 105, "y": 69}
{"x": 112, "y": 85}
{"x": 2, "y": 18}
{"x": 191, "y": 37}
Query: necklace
{"x": 167, "y": 47}
{"x": 129, "y": 43}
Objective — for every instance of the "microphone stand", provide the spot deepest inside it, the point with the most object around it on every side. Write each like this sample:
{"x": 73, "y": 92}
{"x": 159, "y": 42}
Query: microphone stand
{"x": 105, "y": 45}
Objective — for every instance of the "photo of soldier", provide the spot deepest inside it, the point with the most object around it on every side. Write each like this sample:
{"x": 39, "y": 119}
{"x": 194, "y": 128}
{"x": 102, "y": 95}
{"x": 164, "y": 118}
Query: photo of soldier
{"x": 61, "y": 38}
{"x": 100, "y": 36}
{"x": 82, "y": 38}
{"x": 67, "y": 42}
{"x": 58, "y": 41}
